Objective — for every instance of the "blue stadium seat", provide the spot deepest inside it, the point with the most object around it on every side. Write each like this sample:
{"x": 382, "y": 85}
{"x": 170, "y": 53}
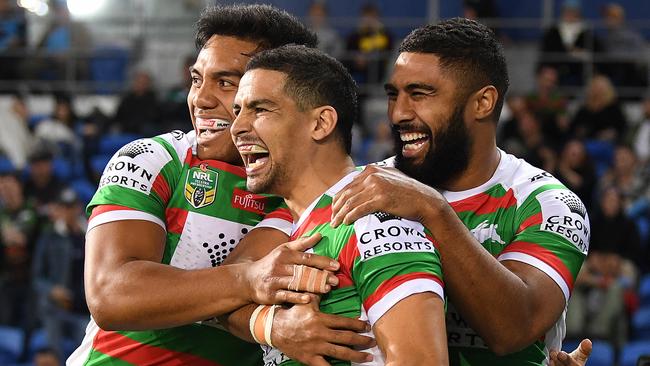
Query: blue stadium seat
{"x": 6, "y": 165}
{"x": 111, "y": 143}
{"x": 98, "y": 163}
{"x": 62, "y": 169}
{"x": 108, "y": 67}
{"x": 11, "y": 344}
{"x": 632, "y": 351}
{"x": 641, "y": 323}
{"x": 602, "y": 153}
{"x": 37, "y": 340}
{"x": 602, "y": 354}
{"x": 84, "y": 189}
{"x": 644, "y": 290}
{"x": 570, "y": 344}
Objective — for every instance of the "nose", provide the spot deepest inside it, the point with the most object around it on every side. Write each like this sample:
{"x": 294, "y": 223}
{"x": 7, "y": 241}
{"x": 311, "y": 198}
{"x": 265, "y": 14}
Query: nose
{"x": 400, "y": 109}
{"x": 205, "y": 97}
{"x": 240, "y": 125}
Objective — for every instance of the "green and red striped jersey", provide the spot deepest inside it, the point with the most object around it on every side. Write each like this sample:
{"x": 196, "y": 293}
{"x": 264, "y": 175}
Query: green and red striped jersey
{"x": 523, "y": 214}
{"x": 205, "y": 210}
{"x": 383, "y": 258}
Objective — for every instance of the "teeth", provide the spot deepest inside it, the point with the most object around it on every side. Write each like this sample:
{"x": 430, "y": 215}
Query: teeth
{"x": 253, "y": 149}
{"x": 410, "y": 136}
{"x": 255, "y": 164}
{"x": 212, "y": 124}
{"x": 413, "y": 146}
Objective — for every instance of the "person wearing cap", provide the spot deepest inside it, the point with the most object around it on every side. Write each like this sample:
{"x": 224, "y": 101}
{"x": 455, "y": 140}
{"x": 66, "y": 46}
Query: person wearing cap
{"x": 57, "y": 271}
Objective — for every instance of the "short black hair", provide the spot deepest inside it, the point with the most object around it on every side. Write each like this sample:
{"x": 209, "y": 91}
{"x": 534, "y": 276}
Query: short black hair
{"x": 269, "y": 26}
{"x": 469, "y": 50}
{"x": 314, "y": 79}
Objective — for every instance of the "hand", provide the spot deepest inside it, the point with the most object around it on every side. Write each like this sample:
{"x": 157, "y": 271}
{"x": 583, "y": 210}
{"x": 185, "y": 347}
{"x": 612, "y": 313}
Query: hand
{"x": 61, "y": 296}
{"x": 381, "y": 189}
{"x": 268, "y": 279}
{"x": 306, "y": 335}
{"x": 578, "y": 357}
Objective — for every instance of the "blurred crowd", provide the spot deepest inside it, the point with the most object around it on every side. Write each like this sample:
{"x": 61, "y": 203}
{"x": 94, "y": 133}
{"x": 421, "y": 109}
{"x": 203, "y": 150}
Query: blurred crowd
{"x": 50, "y": 164}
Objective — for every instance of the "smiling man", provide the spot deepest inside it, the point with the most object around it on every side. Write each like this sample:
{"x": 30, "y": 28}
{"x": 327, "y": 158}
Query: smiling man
{"x": 512, "y": 238}
{"x": 170, "y": 209}
{"x": 295, "y": 108}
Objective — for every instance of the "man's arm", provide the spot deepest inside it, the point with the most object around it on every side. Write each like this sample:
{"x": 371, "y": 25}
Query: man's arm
{"x": 405, "y": 339}
{"x": 127, "y": 287}
{"x": 525, "y": 302}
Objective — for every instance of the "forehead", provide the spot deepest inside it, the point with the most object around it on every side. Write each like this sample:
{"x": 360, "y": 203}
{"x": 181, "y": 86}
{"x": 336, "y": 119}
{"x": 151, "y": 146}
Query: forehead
{"x": 418, "y": 68}
{"x": 225, "y": 53}
{"x": 260, "y": 83}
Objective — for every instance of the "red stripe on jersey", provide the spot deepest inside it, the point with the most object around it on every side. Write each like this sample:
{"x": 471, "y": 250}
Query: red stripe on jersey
{"x": 280, "y": 213}
{"x": 347, "y": 256}
{"x": 176, "y": 218}
{"x": 483, "y": 203}
{"x": 233, "y": 169}
{"x": 316, "y": 217}
{"x": 543, "y": 255}
{"x": 188, "y": 156}
{"x": 535, "y": 219}
{"x": 98, "y": 210}
{"x": 391, "y": 283}
{"x": 126, "y": 349}
{"x": 161, "y": 187}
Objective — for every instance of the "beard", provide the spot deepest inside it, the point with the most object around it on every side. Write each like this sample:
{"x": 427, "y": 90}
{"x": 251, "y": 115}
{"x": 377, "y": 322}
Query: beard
{"x": 448, "y": 154}
{"x": 271, "y": 182}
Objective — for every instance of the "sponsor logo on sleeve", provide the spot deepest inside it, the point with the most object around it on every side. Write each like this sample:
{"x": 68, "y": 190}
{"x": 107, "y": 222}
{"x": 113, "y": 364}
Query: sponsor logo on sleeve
{"x": 248, "y": 201}
{"x": 391, "y": 236}
{"x": 539, "y": 176}
{"x": 201, "y": 186}
{"x": 135, "y": 166}
{"x": 178, "y": 134}
{"x": 564, "y": 214}
{"x": 485, "y": 231}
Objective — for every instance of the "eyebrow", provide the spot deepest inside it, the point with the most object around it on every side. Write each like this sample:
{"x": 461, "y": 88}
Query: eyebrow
{"x": 412, "y": 86}
{"x": 219, "y": 74}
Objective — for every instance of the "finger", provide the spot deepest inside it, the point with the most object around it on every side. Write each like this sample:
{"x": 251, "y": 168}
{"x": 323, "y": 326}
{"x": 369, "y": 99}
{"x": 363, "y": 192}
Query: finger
{"x": 581, "y": 354}
{"x": 282, "y": 296}
{"x": 346, "y": 354}
{"x": 315, "y": 261}
{"x": 348, "y": 338}
{"x": 304, "y": 243}
{"x": 552, "y": 356}
{"x": 305, "y": 282}
{"x": 343, "y": 323}
{"x": 317, "y": 361}
{"x": 363, "y": 209}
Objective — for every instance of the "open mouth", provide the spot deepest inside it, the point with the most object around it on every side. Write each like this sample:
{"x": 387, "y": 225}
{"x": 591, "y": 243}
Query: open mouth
{"x": 254, "y": 156}
{"x": 209, "y": 127}
{"x": 413, "y": 142}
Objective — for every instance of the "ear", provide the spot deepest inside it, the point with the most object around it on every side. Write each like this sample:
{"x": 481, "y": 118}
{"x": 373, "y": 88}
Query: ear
{"x": 326, "y": 119}
{"x": 485, "y": 100}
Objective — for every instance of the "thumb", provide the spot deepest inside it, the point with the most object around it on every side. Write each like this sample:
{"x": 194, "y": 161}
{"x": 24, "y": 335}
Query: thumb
{"x": 583, "y": 351}
{"x": 304, "y": 243}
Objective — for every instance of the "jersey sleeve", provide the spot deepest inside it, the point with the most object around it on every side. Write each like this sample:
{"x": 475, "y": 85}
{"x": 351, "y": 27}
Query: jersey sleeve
{"x": 551, "y": 234}
{"x": 396, "y": 259}
{"x": 138, "y": 181}
{"x": 277, "y": 216}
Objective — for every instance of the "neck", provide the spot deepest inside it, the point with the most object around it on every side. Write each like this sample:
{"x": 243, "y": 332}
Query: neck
{"x": 484, "y": 160}
{"x": 320, "y": 174}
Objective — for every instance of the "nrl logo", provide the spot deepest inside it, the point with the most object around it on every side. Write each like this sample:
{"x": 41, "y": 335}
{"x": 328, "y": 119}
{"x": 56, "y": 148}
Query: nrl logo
{"x": 201, "y": 186}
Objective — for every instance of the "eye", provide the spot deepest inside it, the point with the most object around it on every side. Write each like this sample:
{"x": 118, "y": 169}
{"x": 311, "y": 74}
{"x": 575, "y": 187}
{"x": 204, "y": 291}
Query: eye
{"x": 391, "y": 94}
{"x": 259, "y": 110}
{"x": 223, "y": 83}
{"x": 236, "y": 110}
{"x": 196, "y": 81}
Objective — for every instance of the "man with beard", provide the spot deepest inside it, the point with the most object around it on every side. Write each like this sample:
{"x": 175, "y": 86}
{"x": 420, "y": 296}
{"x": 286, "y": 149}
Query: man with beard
{"x": 168, "y": 211}
{"x": 390, "y": 269}
{"x": 512, "y": 238}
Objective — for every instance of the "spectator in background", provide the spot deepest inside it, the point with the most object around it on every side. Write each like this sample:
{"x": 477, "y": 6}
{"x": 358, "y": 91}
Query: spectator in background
{"x": 58, "y": 272}
{"x": 381, "y": 146}
{"x": 370, "y": 45}
{"x": 58, "y": 132}
{"x": 12, "y": 41}
{"x": 174, "y": 106}
{"x": 640, "y": 137}
{"x": 576, "y": 170}
{"x": 42, "y": 186}
{"x": 529, "y": 142}
{"x": 46, "y": 357}
{"x": 62, "y": 42}
{"x": 18, "y": 229}
{"x": 597, "y": 307}
{"x": 15, "y": 140}
{"x": 550, "y": 106}
{"x": 600, "y": 116}
{"x": 623, "y": 48}
{"x": 627, "y": 175}
{"x": 567, "y": 45}
{"x": 329, "y": 40}
{"x": 137, "y": 111}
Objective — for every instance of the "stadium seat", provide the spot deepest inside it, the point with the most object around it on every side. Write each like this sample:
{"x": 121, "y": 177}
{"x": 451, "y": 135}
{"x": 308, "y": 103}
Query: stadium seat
{"x": 62, "y": 169}
{"x": 6, "y": 165}
{"x": 98, "y": 163}
{"x": 37, "y": 340}
{"x": 84, "y": 189}
{"x": 111, "y": 143}
{"x": 641, "y": 323}
{"x": 632, "y": 351}
{"x": 602, "y": 153}
{"x": 11, "y": 344}
{"x": 602, "y": 354}
{"x": 108, "y": 67}
{"x": 644, "y": 290}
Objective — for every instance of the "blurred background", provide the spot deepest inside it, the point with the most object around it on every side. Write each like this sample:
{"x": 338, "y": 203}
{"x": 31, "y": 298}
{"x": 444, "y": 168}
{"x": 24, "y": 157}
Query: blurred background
{"x": 80, "y": 78}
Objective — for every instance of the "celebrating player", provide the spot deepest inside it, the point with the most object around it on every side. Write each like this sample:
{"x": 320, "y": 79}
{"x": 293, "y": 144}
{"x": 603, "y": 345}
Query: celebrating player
{"x": 511, "y": 237}
{"x": 295, "y": 108}
{"x": 169, "y": 209}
